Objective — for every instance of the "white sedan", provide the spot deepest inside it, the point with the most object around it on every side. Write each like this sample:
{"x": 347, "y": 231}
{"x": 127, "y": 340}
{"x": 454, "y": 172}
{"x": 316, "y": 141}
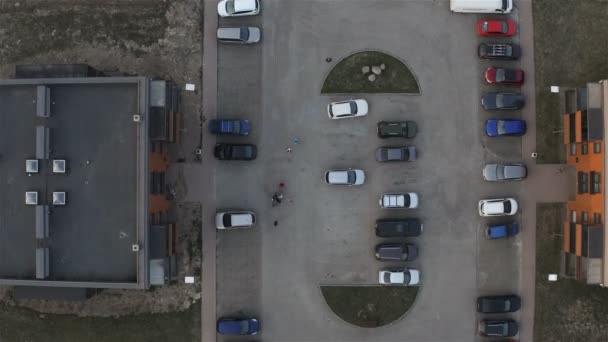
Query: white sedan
{"x": 399, "y": 277}
{"x": 238, "y": 8}
{"x": 347, "y": 109}
{"x": 345, "y": 177}
{"x": 498, "y": 207}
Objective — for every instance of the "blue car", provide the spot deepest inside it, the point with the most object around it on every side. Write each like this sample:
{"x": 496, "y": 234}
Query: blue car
{"x": 502, "y": 230}
{"x": 512, "y": 127}
{"x": 229, "y": 126}
{"x": 236, "y": 326}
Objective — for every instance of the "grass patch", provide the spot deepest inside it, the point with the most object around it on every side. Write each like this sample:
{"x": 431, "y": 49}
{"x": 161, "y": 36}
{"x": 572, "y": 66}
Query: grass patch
{"x": 23, "y": 325}
{"x": 369, "y": 306}
{"x": 567, "y": 53}
{"x": 566, "y": 310}
{"x": 346, "y": 76}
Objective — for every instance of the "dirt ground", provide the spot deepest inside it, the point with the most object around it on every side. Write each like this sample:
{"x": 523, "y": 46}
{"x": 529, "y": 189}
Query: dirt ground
{"x": 152, "y": 38}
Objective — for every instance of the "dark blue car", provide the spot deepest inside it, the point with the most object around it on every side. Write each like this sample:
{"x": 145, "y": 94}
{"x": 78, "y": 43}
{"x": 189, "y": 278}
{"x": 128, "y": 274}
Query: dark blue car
{"x": 500, "y": 231}
{"x": 235, "y": 326}
{"x": 512, "y": 127}
{"x": 229, "y": 126}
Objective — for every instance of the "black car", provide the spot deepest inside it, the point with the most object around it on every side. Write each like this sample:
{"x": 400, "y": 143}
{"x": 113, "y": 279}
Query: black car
{"x": 396, "y": 153}
{"x": 406, "y": 227}
{"x": 498, "y": 327}
{"x": 502, "y": 101}
{"x": 396, "y": 252}
{"x": 498, "y": 304}
{"x": 227, "y": 151}
{"x": 498, "y": 51}
{"x": 397, "y": 129}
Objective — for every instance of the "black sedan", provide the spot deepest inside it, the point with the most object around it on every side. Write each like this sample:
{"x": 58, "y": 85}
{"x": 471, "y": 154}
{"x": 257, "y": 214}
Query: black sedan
{"x": 396, "y": 153}
{"x": 397, "y": 129}
{"x": 498, "y": 304}
{"x": 228, "y": 151}
{"x": 502, "y": 101}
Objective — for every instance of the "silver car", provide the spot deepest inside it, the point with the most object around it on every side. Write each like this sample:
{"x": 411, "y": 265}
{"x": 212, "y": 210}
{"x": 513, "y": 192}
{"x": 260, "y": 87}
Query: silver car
{"x": 239, "y": 35}
{"x": 504, "y": 172}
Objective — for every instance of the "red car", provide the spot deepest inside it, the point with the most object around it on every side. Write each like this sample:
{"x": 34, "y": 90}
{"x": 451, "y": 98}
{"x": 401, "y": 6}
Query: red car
{"x": 496, "y": 27}
{"x": 504, "y": 76}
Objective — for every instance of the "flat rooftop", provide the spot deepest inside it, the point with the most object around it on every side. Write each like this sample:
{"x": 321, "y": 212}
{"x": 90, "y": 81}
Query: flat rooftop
{"x": 92, "y": 128}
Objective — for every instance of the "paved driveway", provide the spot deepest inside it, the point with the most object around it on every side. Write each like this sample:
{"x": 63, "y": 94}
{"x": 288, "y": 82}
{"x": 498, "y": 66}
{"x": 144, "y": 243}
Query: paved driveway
{"x": 324, "y": 234}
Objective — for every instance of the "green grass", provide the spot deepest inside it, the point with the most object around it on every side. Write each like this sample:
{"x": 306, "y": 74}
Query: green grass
{"x": 570, "y": 50}
{"x": 369, "y": 306}
{"x": 566, "y": 310}
{"x": 23, "y": 325}
{"x": 346, "y": 76}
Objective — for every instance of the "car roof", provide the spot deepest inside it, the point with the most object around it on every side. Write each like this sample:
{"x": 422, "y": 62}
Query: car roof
{"x": 229, "y": 33}
{"x": 341, "y": 109}
{"x": 244, "y": 5}
{"x": 494, "y": 207}
{"x": 337, "y": 176}
{"x": 242, "y": 219}
{"x": 514, "y": 171}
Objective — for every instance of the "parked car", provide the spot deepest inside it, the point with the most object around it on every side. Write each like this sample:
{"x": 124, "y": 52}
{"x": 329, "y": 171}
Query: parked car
{"x": 396, "y": 153}
{"x": 397, "y": 129}
{"x": 241, "y": 35}
{"x": 504, "y": 172}
{"x": 498, "y": 51}
{"x": 238, "y": 326}
{"x": 399, "y": 277}
{"x": 406, "y": 200}
{"x": 481, "y": 6}
{"x": 504, "y": 76}
{"x": 498, "y": 304}
{"x": 229, "y": 126}
{"x": 502, "y": 101}
{"x": 238, "y": 8}
{"x": 498, "y": 327}
{"x": 496, "y": 27}
{"x": 506, "y": 127}
{"x": 347, "y": 109}
{"x": 498, "y": 207}
{"x": 500, "y": 231}
{"x": 396, "y": 252}
{"x": 398, "y": 227}
{"x": 234, "y": 219}
{"x": 345, "y": 177}
{"x": 229, "y": 151}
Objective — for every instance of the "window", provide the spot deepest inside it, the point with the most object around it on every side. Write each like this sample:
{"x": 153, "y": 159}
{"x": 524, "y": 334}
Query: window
{"x": 573, "y": 216}
{"x": 583, "y": 183}
{"x": 597, "y": 218}
{"x": 572, "y": 149}
{"x": 597, "y": 147}
{"x": 585, "y": 217}
{"x": 596, "y": 178}
{"x": 585, "y": 148}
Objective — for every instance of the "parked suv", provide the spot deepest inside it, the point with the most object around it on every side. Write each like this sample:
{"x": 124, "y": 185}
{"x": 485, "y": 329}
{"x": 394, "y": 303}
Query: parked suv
{"x": 406, "y": 200}
{"x": 498, "y": 51}
{"x": 397, "y": 129}
{"x": 400, "y": 227}
{"x": 498, "y": 304}
{"x": 498, "y": 327}
{"x": 234, "y": 219}
{"x": 396, "y": 252}
{"x": 228, "y": 151}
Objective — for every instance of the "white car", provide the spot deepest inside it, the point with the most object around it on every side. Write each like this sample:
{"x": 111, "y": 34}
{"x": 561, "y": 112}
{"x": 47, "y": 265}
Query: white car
{"x": 498, "y": 207}
{"x": 240, "y": 35}
{"x": 234, "y": 219}
{"x": 399, "y": 277}
{"x": 238, "y": 8}
{"x": 347, "y": 109}
{"x": 345, "y": 177}
{"x": 408, "y": 200}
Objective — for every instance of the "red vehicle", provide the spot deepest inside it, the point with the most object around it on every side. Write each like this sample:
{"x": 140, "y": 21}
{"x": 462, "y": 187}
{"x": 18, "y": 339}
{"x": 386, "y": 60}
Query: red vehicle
{"x": 505, "y": 76}
{"x": 496, "y": 27}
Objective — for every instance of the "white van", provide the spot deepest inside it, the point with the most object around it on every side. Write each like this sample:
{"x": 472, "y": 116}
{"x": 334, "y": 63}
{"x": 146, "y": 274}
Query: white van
{"x": 481, "y": 6}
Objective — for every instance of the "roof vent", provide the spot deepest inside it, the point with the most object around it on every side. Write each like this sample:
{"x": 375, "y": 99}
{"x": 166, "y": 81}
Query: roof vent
{"x": 31, "y": 198}
{"x": 59, "y": 166}
{"x": 59, "y": 198}
{"x": 135, "y": 248}
{"x": 31, "y": 166}
{"x": 136, "y": 118}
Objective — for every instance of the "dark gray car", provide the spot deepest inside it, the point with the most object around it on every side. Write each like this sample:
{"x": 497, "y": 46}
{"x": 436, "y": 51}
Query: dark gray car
{"x": 504, "y": 172}
{"x": 502, "y": 101}
{"x": 397, "y": 129}
{"x": 396, "y": 153}
{"x": 498, "y": 51}
{"x": 396, "y": 252}
{"x": 398, "y": 227}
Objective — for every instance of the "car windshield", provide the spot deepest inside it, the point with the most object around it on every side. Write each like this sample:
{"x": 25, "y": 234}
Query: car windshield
{"x": 352, "y": 177}
{"x": 226, "y": 220}
{"x": 244, "y": 33}
{"x": 500, "y": 75}
{"x": 501, "y": 127}
{"x": 505, "y": 27}
{"x": 505, "y": 5}
{"x": 353, "y": 107}
{"x": 500, "y": 172}
{"x": 230, "y": 7}
{"x": 507, "y": 206}
{"x": 486, "y": 26}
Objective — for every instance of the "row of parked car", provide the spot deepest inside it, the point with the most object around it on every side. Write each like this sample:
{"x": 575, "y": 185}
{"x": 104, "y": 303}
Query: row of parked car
{"x": 502, "y": 327}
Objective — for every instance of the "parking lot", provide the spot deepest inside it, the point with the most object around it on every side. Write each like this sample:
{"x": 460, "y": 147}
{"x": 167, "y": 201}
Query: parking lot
{"x": 324, "y": 235}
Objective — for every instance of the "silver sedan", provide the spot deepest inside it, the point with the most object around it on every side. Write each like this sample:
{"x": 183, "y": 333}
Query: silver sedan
{"x": 504, "y": 172}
